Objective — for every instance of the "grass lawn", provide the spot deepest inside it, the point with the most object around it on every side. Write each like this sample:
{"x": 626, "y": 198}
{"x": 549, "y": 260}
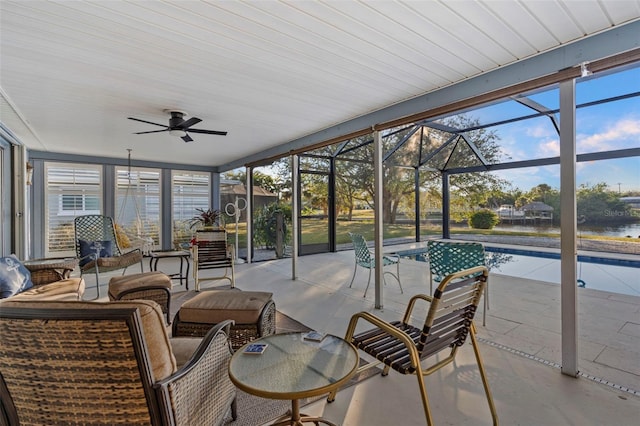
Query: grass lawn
{"x": 314, "y": 231}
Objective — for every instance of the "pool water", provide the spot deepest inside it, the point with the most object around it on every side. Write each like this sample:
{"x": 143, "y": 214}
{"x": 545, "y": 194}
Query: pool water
{"x": 612, "y": 275}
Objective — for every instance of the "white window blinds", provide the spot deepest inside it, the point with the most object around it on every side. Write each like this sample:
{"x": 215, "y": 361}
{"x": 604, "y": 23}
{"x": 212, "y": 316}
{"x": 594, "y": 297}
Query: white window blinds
{"x": 189, "y": 191}
{"x": 71, "y": 190}
{"x": 138, "y": 206}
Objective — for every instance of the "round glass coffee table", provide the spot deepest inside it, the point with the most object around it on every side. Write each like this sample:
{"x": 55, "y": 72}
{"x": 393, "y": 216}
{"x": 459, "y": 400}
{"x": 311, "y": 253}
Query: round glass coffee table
{"x": 294, "y": 368}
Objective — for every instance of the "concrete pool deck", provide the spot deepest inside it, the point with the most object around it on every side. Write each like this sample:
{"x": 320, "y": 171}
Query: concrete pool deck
{"x": 520, "y": 345}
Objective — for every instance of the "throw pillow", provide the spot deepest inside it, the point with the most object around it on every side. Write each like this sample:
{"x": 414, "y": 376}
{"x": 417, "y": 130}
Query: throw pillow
{"x": 14, "y": 277}
{"x": 95, "y": 248}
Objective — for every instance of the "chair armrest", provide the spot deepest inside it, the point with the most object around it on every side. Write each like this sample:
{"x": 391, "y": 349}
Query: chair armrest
{"x": 412, "y": 302}
{"x": 90, "y": 257}
{"x": 133, "y": 251}
{"x": 201, "y": 391}
{"x": 383, "y": 325}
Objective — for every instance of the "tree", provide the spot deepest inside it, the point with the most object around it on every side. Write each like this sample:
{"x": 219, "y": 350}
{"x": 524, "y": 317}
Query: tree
{"x": 595, "y": 205}
{"x": 404, "y": 148}
{"x": 260, "y": 179}
{"x": 483, "y": 219}
{"x": 403, "y": 159}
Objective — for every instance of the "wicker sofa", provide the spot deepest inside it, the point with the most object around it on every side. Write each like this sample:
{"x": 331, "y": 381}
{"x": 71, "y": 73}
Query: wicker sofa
{"x": 39, "y": 279}
{"x": 69, "y": 289}
{"x": 110, "y": 363}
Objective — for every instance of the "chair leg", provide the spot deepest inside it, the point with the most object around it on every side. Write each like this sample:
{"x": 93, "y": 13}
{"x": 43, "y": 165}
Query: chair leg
{"x": 486, "y": 304}
{"x": 425, "y": 399}
{"x": 195, "y": 278}
{"x": 483, "y": 375}
{"x": 354, "y": 275}
{"x": 97, "y": 282}
{"x": 194, "y": 256}
{"x": 368, "y": 282}
{"x": 233, "y": 277}
{"x": 484, "y": 310}
{"x": 398, "y": 277}
{"x": 234, "y": 409}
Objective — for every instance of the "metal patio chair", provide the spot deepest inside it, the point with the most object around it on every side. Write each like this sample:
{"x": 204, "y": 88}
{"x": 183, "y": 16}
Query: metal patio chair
{"x": 449, "y": 321}
{"x": 97, "y": 247}
{"x": 447, "y": 257}
{"x": 366, "y": 259}
{"x": 211, "y": 251}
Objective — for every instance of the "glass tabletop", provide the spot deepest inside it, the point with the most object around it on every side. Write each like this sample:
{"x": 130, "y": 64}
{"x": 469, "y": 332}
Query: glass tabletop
{"x": 169, "y": 253}
{"x": 293, "y": 368}
{"x": 51, "y": 263}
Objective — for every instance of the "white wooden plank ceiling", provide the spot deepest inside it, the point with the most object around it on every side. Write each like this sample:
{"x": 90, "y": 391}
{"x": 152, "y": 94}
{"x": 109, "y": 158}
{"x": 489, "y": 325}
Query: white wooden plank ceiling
{"x": 265, "y": 71}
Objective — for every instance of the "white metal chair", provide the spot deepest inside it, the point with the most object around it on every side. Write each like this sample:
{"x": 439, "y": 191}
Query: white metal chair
{"x": 366, "y": 259}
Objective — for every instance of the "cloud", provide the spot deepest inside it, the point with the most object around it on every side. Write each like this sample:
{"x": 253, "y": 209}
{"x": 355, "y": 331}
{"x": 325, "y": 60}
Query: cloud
{"x": 540, "y": 131}
{"x": 550, "y": 148}
{"x": 611, "y": 137}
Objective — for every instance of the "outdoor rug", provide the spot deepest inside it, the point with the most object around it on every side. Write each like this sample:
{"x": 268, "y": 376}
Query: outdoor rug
{"x": 253, "y": 410}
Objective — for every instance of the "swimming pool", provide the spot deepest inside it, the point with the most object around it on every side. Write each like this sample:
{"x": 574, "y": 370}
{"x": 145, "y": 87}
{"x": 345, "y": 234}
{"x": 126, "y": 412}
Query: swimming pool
{"x": 596, "y": 272}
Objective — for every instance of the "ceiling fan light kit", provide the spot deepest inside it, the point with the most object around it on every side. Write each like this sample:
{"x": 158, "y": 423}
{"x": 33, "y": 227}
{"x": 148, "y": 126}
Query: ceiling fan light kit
{"x": 178, "y": 126}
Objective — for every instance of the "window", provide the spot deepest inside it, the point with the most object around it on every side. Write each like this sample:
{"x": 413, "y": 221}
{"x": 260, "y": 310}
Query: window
{"x": 189, "y": 191}
{"x": 138, "y": 204}
{"x": 76, "y": 204}
{"x": 71, "y": 190}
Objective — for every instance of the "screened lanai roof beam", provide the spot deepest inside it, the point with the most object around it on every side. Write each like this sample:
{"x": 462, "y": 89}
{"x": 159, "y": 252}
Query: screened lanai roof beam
{"x": 549, "y": 161}
{"x": 540, "y": 114}
{"x": 441, "y": 127}
{"x": 400, "y": 143}
{"x": 475, "y": 150}
{"x": 353, "y": 148}
{"x": 340, "y": 147}
{"x": 437, "y": 150}
{"x": 530, "y": 103}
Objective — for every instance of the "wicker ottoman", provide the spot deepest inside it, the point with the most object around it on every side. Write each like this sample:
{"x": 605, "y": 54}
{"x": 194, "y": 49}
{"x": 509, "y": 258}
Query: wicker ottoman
{"x": 254, "y": 313}
{"x": 154, "y": 286}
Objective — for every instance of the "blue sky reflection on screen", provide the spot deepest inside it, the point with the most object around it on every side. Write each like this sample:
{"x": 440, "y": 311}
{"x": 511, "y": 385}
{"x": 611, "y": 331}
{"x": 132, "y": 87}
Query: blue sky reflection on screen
{"x": 610, "y": 126}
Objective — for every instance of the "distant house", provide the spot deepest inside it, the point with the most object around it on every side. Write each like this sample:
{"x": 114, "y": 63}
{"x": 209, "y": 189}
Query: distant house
{"x": 634, "y": 202}
{"x": 229, "y": 190}
{"x": 508, "y": 211}
{"x": 537, "y": 210}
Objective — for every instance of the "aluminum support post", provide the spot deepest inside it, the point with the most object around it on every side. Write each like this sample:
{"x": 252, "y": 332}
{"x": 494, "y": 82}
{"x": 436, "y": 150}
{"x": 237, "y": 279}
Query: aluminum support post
{"x": 568, "y": 229}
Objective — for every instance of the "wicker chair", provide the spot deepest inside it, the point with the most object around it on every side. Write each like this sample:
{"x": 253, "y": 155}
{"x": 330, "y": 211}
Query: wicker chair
{"x": 365, "y": 258}
{"x": 94, "y": 228}
{"x": 447, "y": 257}
{"x": 211, "y": 251}
{"x": 109, "y": 363}
{"x": 404, "y": 347}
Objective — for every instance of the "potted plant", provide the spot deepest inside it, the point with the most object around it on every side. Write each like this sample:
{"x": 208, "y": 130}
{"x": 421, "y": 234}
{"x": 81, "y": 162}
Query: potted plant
{"x": 206, "y": 219}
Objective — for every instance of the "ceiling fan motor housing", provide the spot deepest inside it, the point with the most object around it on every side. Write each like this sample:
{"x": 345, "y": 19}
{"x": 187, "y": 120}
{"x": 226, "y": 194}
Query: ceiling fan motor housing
{"x": 177, "y": 118}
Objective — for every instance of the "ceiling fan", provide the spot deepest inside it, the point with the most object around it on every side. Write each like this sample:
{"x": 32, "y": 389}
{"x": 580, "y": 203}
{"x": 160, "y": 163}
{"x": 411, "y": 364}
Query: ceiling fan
{"x": 178, "y": 126}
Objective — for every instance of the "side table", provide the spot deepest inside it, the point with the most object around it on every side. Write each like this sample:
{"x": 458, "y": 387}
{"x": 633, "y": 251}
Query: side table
{"x": 184, "y": 256}
{"x": 294, "y": 368}
{"x": 45, "y": 271}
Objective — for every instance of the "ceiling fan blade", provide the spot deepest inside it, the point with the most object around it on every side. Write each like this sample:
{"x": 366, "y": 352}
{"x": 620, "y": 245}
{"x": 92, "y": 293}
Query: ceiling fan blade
{"x": 186, "y": 138}
{"x": 190, "y": 122}
{"x": 150, "y": 131}
{"x": 208, "y": 132}
{"x": 145, "y": 121}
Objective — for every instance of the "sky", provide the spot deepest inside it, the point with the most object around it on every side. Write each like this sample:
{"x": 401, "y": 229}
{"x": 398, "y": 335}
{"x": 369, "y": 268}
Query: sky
{"x": 611, "y": 126}
{"x": 605, "y": 127}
